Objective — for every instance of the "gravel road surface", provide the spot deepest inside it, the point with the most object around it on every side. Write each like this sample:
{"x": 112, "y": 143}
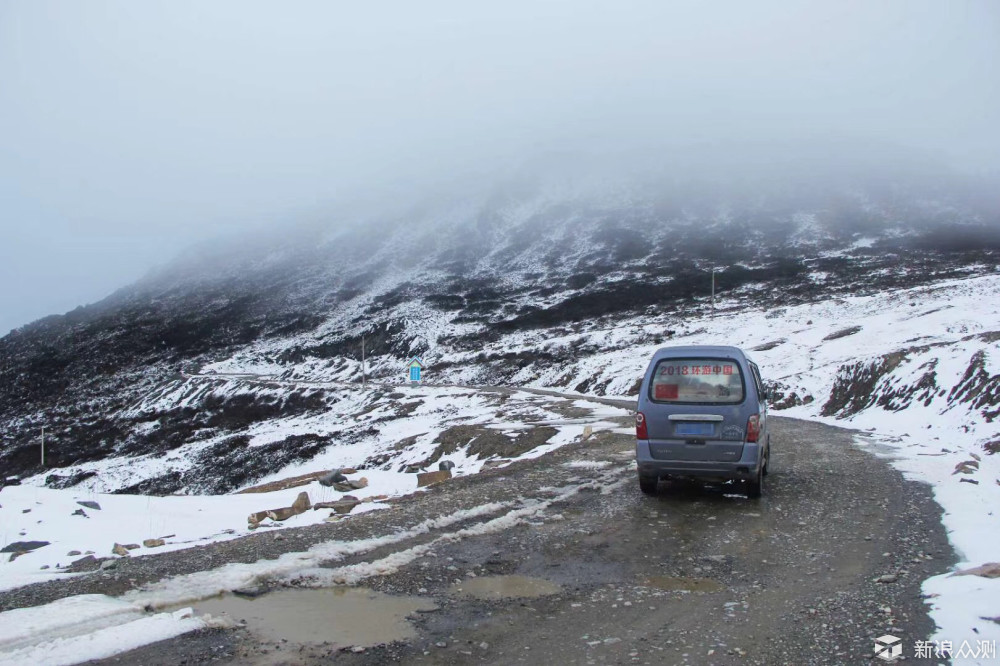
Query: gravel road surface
{"x": 579, "y": 567}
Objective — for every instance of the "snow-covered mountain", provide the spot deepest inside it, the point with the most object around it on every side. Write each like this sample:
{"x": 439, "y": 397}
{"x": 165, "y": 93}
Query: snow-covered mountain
{"x": 516, "y": 283}
{"x": 872, "y": 306}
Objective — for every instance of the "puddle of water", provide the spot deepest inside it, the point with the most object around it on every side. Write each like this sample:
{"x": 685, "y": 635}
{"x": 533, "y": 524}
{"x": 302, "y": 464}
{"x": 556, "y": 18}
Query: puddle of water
{"x": 505, "y": 587}
{"x": 671, "y": 583}
{"x": 343, "y": 615}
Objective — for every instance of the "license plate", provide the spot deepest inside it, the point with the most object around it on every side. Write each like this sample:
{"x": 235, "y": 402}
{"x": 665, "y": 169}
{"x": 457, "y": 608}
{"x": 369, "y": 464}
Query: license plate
{"x": 690, "y": 429}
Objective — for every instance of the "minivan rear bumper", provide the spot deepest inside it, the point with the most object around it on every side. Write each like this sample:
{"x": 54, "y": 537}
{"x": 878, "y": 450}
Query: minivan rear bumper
{"x": 742, "y": 469}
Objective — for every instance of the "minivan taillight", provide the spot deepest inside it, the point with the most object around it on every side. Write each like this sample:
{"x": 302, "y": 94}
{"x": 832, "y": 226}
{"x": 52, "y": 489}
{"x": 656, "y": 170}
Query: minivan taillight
{"x": 640, "y": 426}
{"x": 753, "y": 428}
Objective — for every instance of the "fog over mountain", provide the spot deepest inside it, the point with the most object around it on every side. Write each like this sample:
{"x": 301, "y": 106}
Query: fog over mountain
{"x": 132, "y": 132}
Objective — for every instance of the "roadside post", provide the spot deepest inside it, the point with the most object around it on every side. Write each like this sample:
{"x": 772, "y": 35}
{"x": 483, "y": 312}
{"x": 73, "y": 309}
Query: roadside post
{"x": 713, "y": 291}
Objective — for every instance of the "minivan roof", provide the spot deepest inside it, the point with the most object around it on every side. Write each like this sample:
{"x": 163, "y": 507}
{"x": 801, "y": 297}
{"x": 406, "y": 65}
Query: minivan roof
{"x": 699, "y": 350}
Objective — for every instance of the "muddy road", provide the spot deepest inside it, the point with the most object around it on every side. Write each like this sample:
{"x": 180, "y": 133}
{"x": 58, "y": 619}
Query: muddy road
{"x": 564, "y": 561}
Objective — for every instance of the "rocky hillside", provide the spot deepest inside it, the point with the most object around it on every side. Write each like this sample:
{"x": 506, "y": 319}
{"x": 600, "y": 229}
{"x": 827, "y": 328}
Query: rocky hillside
{"x": 478, "y": 286}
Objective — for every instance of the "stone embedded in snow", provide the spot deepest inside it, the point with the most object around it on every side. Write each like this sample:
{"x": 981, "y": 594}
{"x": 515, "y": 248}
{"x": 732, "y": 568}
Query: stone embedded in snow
{"x": 23, "y": 546}
{"x": 89, "y": 504}
{"x": 988, "y": 570}
{"x": 119, "y": 549}
{"x": 341, "y": 506}
{"x": 490, "y": 464}
{"x": 430, "y": 478}
{"x": 278, "y": 515}
{"x": 336, "y": 476}
{"x": 80, "y": 512}
{"x": 86, "y": 563}
{"x": 301, "y": 503}
{"x": 19, "y": 548}
{"x": 153, "y": 543}
{"x": 966, "y": 467}
{"x": 445, "y": 464}
{"x": 256, "y": 517}
{"x": 349, "y": 485}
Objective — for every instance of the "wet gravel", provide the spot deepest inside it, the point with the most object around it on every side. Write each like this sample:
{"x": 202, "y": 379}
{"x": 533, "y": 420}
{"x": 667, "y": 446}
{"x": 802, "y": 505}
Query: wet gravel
{"x": 697, "y": 575}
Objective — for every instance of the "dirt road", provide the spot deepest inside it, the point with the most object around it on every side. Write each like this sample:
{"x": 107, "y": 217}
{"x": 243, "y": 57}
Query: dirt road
{"x": 567, "y": 562}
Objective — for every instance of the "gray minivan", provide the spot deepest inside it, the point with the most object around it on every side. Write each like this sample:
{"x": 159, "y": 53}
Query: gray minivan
{"x": 702, "y": 414}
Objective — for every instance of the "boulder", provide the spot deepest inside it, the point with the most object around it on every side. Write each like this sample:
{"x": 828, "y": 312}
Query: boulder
{"x": 90, "y": 505}
{"x": 966, "y": 467}
{"x": 342, "y": 506}
{"x": 331, "y": 478}
{"x": 350, "y": 484}
{"x": 301, "y": 503}
{"x": 445, "y": 465}
{"x": 345, "y": 506}
{"x": 255, "y": 518}
{"x": 86, "y": 563}
{"x": 430, "y": 478}
{"x": 278, "y": 515}
{"x": 153, "y": 543}
{"x": 119, "y": 549}
{"x": 22, "y": 547}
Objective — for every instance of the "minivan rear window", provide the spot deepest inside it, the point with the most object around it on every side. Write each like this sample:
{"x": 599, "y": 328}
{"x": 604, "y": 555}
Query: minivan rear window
{"x": 697, "y": 380}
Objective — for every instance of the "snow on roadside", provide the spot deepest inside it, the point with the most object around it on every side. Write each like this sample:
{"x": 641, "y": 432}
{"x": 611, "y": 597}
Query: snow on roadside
{"x": 83, "y": 627}
{"x": 86, "y": 627}
{"x": 33, "y": 512}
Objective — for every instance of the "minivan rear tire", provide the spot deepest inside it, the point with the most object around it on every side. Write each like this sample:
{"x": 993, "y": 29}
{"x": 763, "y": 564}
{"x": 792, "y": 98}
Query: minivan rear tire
{"x": 755, "y": 487}
{"x": 648, "y": 484}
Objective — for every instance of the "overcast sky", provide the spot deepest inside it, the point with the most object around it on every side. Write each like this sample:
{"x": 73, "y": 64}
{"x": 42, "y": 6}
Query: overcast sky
{"x": 130, "y": 130}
